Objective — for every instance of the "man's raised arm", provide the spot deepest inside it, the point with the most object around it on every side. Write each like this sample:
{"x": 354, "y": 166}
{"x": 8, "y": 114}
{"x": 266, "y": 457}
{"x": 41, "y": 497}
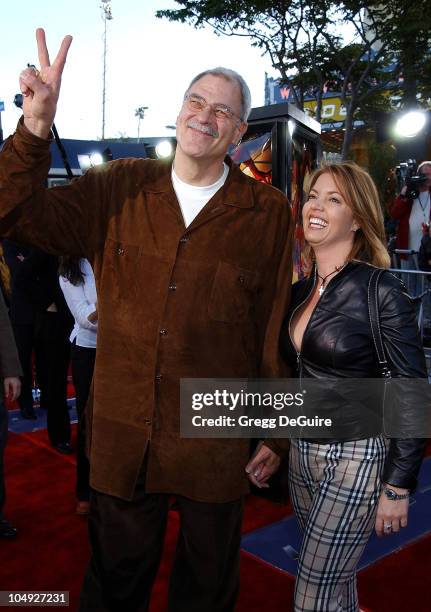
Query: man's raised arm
{"x": 66, "y": 219}
{"x": 41, "y": 88}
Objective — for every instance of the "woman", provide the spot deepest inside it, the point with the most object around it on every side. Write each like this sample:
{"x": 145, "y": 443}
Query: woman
{"x": 78, "y": 286}
{"x": 341, "y": 489}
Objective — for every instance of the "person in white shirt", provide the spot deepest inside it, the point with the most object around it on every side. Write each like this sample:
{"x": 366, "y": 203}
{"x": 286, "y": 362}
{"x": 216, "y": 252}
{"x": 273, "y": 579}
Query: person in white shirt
{"x": 79, "y": 289}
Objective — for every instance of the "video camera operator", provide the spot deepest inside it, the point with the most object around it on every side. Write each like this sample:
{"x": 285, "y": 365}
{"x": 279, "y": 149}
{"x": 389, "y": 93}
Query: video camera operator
{"x": 412, "y": 209}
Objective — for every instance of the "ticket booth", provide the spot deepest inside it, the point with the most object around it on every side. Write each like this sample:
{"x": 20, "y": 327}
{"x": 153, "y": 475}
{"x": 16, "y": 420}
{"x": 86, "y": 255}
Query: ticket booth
{"x": 281, "y": 148}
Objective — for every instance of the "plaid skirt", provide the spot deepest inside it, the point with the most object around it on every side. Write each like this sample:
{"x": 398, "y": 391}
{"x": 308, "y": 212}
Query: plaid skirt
{"x": 334, "y": 489}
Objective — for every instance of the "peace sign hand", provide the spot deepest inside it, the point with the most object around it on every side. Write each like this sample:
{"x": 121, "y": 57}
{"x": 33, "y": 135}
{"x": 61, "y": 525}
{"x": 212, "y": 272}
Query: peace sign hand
{"x": 41, "y": 89}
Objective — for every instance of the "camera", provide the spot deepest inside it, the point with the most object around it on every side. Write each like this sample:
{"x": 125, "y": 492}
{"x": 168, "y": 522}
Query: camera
{"x": 406, "y": 173}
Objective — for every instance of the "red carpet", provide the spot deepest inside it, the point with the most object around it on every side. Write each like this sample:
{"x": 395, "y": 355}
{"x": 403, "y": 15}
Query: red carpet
{"x": 51, "y": 551}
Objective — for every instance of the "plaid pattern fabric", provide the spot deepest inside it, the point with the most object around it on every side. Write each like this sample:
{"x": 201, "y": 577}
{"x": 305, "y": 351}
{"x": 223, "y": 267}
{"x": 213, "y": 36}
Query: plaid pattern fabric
{"x": 334, "y": 490}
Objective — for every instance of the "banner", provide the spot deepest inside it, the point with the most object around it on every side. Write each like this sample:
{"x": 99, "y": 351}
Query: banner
{"x": 333, "y": 109}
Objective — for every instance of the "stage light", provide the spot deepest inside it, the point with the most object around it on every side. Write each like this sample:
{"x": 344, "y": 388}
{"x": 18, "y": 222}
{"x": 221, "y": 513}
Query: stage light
{"x": 164, "y": 149}
{"x": 410, "y": 124}
{"x": 96, "y": 158}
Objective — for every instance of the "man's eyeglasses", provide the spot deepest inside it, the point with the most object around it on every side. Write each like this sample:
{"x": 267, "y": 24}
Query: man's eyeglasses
{"x": 221, "y": 111}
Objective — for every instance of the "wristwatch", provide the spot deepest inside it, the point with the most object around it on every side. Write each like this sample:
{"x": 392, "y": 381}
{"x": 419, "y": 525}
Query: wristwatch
{"x": 391, "y": 494}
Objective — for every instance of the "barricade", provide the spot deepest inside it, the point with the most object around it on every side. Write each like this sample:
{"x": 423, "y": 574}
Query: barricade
{"x": 418, "y": 285}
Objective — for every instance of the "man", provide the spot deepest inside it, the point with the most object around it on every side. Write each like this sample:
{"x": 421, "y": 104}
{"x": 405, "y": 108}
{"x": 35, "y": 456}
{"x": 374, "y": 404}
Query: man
{"x": 10, "y": 370}
{"x": 192, "y": 265}
{"x": 413, "y": 213}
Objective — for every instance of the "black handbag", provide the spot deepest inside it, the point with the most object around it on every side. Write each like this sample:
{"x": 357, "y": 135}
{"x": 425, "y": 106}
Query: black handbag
{"x": 373, "y": 311}
{"x": 387, "y": 403}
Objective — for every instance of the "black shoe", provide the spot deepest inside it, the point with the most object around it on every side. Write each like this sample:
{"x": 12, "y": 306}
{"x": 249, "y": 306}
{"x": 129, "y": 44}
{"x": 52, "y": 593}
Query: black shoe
{"x": 63, "y": 447}
{"x": 6, "y": 530}
{"x": 28, "y": 413}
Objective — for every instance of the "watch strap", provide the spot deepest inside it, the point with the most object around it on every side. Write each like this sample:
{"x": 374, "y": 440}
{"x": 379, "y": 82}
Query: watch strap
{"x": 393, "y": 495}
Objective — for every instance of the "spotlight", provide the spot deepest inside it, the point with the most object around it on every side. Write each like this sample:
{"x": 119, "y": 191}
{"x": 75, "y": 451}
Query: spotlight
{"x": 96, "y": 158}
{"x": 164, "y": 149}
{"x": 410, "y": 124}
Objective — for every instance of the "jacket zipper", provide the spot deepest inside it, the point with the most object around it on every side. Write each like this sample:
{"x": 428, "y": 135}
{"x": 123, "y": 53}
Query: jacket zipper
{"x": 298, "y": 353}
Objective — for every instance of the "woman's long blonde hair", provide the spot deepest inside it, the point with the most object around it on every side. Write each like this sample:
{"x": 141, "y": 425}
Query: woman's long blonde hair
{"x": 360, "y": 193}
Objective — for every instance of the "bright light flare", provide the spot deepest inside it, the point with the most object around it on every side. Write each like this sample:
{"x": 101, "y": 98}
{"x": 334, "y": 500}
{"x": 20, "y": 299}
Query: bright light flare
{"x": 96, "y": 159}
{"x": 164, "y": 149}
{"x": 410, "y": 124}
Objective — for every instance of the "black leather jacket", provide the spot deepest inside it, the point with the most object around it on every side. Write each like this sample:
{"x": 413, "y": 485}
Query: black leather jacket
{"x": 337, "y": 342}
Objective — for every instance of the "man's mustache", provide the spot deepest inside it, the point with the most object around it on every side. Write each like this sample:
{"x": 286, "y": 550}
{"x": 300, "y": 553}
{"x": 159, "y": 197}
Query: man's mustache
{"x": 205, "y": 129}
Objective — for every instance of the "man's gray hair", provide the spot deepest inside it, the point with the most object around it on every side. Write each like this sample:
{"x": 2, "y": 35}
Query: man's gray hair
{"x": 423, "y": 164}
{"x": 233, "y": 77}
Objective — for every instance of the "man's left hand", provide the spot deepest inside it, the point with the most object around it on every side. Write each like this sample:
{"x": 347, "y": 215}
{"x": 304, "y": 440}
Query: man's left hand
{"x": 262, "y": 466}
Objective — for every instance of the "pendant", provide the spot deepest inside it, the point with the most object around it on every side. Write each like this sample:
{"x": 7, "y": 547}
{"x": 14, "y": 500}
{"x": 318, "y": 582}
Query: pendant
{"x": 321, "y": 289}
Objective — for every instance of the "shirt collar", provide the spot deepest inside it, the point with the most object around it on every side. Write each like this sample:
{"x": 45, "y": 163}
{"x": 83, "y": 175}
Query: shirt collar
{"x": 237, "y": 190}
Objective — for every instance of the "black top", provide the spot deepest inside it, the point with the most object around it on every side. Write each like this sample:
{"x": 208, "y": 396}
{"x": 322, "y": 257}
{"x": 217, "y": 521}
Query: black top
{"x": 337, "y": 343}
{"x": 34, "y": 284}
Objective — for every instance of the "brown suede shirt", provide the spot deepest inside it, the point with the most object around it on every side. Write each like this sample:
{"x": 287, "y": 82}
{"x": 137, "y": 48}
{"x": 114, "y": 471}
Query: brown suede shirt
{"x": 203, "y": 301}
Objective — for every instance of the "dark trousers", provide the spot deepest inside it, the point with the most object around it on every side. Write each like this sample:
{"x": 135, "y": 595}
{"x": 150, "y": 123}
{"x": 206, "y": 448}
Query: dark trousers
{"x": 24, "y": 339}
{"x": 3, "y": 440}
{"x": 52, "y": 348}
{"x": 127, "y": 543}
{"x": 83, "y": 359}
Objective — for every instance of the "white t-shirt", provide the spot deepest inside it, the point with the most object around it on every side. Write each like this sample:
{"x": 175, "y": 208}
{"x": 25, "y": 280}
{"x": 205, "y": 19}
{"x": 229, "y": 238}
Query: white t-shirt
{"x": 191, "y": 198}
{"x": 420, "y": 214}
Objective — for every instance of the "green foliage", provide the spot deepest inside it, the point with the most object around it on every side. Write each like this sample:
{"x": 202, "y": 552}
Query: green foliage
{"x": 303, "y": 41}
{"x": 381, "y": 164}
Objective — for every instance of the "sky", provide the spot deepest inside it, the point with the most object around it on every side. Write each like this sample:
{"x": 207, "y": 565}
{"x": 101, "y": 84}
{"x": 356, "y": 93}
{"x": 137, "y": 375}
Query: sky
{"x": 149, "y": 63}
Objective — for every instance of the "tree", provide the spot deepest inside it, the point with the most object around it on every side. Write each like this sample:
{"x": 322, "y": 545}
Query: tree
{"x": 302, "y": 39}
{"x": 372, "y": 62}
{"x": 411, "y": 42}
{"x": 140, "y": 113}
{"x": 289, "y": 32}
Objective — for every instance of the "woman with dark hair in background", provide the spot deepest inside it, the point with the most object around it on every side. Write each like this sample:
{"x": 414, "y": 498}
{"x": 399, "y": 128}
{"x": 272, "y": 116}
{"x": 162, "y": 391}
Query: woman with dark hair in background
{"x": 79, "y": 289}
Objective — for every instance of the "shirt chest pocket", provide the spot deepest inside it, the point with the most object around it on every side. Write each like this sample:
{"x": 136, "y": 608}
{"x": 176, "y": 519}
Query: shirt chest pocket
{"x": 232, "y": 294}
{"x": 121, "y": 271}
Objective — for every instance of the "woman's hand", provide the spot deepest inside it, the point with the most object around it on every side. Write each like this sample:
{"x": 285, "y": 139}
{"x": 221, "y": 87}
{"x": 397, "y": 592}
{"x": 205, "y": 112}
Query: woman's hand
{"x": 391, "y": 514}
{"x": 262, "y": 466}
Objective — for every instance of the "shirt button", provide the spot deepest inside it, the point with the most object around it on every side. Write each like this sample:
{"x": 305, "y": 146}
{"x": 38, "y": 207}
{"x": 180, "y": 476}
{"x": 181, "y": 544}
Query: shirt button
{"x": 158, "y": 378}
{"x": 241, "y": 280}
{"x": 184, "y": 239}
{"x": 120, "y": 251}
{"x": 147, "y": 421}
{"x": 163, "y": 332}
{"x": 173, "y": 286}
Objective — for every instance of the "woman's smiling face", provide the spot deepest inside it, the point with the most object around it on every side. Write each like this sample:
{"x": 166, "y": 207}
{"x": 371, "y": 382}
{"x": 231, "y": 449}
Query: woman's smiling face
{"x": 326, "y": 216}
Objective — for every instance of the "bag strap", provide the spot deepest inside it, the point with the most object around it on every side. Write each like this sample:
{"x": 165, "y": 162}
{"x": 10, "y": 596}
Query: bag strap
{"x": 373, "y": 312}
